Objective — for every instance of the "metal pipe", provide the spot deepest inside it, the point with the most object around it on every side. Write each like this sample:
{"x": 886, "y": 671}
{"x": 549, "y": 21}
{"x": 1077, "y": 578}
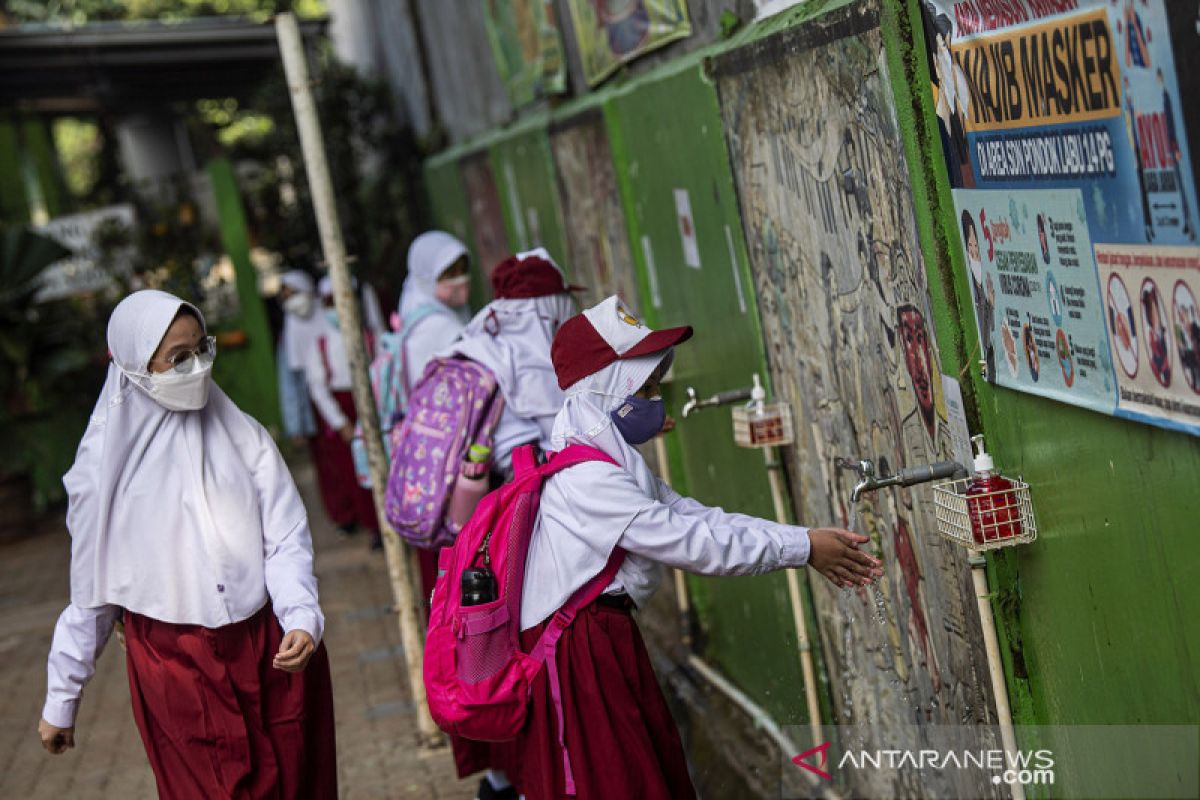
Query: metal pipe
{"x": 991, "y": 646}
{"x": 295, "y": 67}
{"x": 795, "y": 597}
{"x": 760, "y": 717}
{"x": 694, "y": 403}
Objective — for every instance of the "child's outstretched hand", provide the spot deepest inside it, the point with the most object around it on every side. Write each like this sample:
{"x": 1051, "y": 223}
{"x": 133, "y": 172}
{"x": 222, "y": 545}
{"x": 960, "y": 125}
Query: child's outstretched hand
{"x": 834, "y": 553}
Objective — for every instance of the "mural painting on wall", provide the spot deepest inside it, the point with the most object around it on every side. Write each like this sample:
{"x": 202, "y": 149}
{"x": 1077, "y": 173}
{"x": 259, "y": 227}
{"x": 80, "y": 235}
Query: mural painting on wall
{"x": 487, "y": 218}
{"x": 597, "y": 240}
{"x": 845, "y": 311}
{"x": 527, "y": 47}
{"x": 610, "y": 33}
{"x": 1066, "y": 138}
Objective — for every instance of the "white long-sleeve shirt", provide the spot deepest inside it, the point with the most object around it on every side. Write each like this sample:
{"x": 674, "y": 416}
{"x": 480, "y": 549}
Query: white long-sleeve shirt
{"x": 673, "y": 530}
{"x": 235, "y": 591}
{"x": 328, "y": 372}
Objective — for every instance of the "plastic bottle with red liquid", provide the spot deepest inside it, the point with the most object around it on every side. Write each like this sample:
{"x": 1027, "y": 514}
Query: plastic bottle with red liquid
{"x": 991, "y": 503}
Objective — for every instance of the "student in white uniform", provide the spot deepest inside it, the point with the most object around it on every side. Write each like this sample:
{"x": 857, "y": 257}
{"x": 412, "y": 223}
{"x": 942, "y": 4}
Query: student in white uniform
{"x": 302, "y": 324}
{"x": 186, "y": 524}
{"x": 511, "y": 336}
{"x": 434, "y": 299}
{"x": 327, "y": 369}
{"x": 623, "y": 742}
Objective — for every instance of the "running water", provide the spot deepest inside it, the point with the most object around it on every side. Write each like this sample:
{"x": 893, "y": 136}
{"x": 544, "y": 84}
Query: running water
{"x": 877, "y": 593}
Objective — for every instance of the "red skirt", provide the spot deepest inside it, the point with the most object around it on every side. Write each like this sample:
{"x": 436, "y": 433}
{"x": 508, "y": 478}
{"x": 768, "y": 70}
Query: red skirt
{"x": 619, "y": 731}
{"x": 346, "y": 503}
{"x": 218, "y": 721}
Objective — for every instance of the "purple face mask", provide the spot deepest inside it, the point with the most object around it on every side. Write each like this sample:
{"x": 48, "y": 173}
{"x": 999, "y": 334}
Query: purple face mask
{"x": 639, "y": 420}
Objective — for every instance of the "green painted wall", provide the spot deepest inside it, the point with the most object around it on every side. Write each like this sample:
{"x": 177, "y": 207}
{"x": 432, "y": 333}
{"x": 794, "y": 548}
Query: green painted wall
{"x": 1099, "y": 616}
{"x": 247, "y": 374}
{"x": 449, "y": 209}
{"x": 668, "y": 136}
{"x": 524, "y": 173}
{"x": 1097, "y": 619}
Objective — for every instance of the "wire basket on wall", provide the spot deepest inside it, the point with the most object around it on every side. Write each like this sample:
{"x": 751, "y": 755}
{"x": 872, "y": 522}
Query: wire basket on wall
{"x": 987, "y": 520}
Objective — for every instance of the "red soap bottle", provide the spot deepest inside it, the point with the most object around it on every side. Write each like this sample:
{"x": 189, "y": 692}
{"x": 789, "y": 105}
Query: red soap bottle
{"x": 991, "y": 503}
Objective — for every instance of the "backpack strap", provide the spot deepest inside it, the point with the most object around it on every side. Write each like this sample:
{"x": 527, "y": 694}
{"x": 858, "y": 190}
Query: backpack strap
{"x": 407, "y": 325}
{"x": 546, "y": 648}
{"x": 485, "y": 434}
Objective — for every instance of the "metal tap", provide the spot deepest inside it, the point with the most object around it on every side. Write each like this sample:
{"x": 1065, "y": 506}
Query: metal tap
{"x": 694, "y": 403}
{"x": 909, "y": 476}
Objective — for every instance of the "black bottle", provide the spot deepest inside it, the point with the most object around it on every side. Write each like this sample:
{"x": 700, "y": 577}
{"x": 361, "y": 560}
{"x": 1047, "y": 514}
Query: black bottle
{"x": 478, "y": 586}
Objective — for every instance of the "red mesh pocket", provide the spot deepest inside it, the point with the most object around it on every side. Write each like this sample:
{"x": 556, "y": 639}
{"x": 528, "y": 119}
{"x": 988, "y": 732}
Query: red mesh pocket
{"x": 485, "y": 642}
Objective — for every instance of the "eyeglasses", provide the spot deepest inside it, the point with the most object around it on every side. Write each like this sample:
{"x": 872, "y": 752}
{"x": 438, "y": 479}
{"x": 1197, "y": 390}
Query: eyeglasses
{"x": 181, "y": 361}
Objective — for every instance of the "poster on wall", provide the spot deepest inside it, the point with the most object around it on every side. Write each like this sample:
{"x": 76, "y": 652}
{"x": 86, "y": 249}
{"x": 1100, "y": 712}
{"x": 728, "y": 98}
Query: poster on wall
{"x": 527, "y": 48}
{"x": 1077, "y": 95}
{"x": 1037, "y": 98}
{"x": 1153, "y": 320}
{"x": 610, "y": 33}
{"x": 1035, "y": 294}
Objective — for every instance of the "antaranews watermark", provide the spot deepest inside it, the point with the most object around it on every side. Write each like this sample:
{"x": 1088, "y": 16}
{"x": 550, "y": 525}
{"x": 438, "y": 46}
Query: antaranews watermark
{"x": 1087, "y": 761}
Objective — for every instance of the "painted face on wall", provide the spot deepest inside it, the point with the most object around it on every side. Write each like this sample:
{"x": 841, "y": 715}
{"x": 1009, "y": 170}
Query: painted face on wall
{"x": 917, "y": 358}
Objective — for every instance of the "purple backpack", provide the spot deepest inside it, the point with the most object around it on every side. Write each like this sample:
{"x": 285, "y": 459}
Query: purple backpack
{"x": 453, "y": 409}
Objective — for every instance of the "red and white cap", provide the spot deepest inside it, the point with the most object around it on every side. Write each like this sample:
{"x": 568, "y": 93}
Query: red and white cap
{"x": 530, "y": 274}
{"x": 604, "y": 333}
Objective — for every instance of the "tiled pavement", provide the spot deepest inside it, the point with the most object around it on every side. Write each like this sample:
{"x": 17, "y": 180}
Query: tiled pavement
{"x": 377, "y": 755}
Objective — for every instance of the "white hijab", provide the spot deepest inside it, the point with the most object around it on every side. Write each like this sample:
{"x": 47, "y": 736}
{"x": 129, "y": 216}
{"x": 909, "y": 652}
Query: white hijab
{"x": 584, "y": 513}
{"x": 584, "y": 418}
{"x": 148, "y": 482}
{"x": 512, "y": 338}
{"x": 430, "y": 254}
{"x": 299, "y": 333}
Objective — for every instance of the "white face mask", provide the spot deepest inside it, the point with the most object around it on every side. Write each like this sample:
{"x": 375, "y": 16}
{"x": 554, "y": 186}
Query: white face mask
{"x": 177, "y": 391}
{"x": 186, "y": 391}
{"x": 300, "y": 304}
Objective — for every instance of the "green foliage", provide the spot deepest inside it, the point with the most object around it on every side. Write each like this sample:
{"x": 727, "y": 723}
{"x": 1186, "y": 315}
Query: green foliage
{"x": 49, "y": 356}
{"x": 374, "y": 167}
{"x": 81, "y": 12}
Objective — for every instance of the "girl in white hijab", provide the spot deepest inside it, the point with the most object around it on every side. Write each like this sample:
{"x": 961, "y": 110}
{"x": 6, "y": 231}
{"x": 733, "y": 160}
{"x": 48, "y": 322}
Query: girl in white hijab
{"x": 623, "y": 742}
{"x": 434, "y": 298}
{"x": 185, "y": 522}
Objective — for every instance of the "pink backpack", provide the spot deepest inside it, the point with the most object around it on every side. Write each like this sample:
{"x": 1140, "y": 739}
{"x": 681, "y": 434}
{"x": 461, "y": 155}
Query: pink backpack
{"x": 453, "y": 410}
{"x": 477, "y": 678}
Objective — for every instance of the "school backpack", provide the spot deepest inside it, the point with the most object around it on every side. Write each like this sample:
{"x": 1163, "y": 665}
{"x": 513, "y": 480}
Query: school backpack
{"x": 478, "y": 681}
{"x": 453, "y": 410}
{"x": 389, "y": 385}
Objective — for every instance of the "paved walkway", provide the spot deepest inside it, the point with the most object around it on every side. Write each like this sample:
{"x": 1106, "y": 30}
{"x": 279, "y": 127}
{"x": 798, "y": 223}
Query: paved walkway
{"x": 377, "y": 756}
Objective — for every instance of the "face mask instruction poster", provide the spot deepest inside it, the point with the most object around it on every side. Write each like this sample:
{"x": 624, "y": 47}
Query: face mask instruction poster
{"x": 1064, "y": 119}
{"x": 1037, "y": 303}
{"x": 1153, "y": 319}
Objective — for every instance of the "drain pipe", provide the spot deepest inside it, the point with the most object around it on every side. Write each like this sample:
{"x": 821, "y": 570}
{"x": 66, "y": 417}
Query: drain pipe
{"x": 760, "y": 717}
{"x": 987, "y": 621}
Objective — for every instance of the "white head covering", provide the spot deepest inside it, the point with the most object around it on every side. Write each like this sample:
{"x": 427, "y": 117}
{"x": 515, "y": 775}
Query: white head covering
{"x": 297, "y": 280}
{"x": 430, "y": 254}
{"x": 147, "y": 481}
{"x": 512, "y": 338}
{"x": 299, "y": 333}
{"x": 584, "y": 418}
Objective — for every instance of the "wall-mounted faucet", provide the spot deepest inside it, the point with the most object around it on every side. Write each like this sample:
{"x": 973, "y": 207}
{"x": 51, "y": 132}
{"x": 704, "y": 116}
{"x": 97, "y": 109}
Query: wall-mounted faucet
{"x": 909, "y": 476}
{"x": 694, "y": 403}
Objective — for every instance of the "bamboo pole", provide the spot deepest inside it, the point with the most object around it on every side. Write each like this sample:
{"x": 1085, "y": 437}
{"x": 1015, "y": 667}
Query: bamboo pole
{"x": 778, "y": 493}
{"x": 291, "y": 47}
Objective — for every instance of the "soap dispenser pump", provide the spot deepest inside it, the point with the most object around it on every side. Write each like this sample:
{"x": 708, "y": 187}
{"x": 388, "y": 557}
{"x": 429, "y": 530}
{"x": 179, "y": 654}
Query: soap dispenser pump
{"x": 991, "y": 501}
